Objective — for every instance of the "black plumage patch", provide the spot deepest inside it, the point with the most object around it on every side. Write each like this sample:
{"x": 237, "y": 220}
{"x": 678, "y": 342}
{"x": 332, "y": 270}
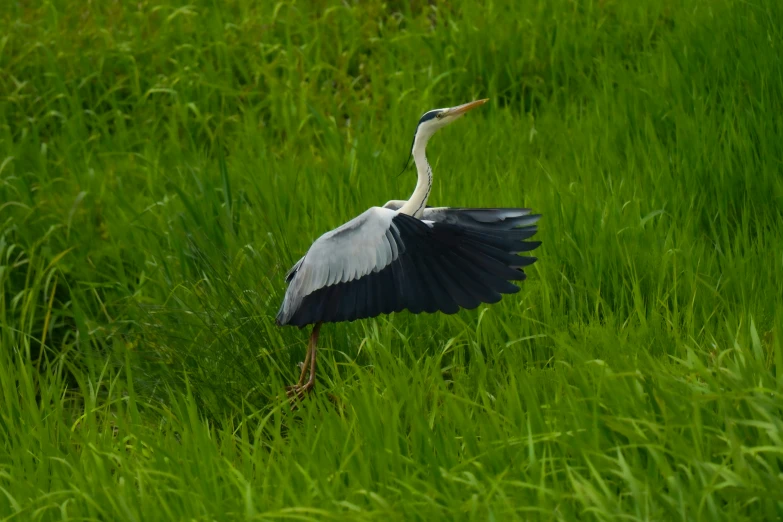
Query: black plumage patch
{"x": 429, "y": 115}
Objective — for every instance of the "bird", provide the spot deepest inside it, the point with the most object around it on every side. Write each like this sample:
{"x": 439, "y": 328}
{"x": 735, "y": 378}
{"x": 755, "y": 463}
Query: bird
{"x": 407, "y": 255}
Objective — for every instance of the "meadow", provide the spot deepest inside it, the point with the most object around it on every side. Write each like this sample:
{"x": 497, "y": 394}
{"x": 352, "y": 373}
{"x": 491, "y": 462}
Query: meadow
{"x": 163, "y": 165}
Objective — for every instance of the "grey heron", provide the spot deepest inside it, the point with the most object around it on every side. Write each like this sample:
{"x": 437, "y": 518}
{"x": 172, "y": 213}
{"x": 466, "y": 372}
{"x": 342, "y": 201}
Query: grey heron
{"x": 407, "y": 256}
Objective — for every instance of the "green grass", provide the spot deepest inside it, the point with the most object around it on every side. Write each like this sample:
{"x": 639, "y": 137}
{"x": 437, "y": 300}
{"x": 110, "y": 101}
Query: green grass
{"x": 162, "y": 166}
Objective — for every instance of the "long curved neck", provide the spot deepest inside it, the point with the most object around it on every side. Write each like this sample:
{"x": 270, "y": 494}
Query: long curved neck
{"x": 418, "y": 200}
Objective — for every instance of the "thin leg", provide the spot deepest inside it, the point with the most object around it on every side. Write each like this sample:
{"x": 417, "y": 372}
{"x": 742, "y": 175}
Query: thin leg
{"x": 304, "y": 367}
{"x": 299, "y": 389}
{"x": 313, "y": 351}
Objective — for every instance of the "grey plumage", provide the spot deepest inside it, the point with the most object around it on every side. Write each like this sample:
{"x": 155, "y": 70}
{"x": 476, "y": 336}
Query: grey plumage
{"x": 357, "y": 248}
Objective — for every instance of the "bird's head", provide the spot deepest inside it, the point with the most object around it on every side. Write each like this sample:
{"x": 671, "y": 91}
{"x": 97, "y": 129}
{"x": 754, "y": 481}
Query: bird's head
{"x": 434, "y": 120}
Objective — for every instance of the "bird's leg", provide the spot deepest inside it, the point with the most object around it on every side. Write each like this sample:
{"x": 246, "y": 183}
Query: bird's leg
{"x": 314, "y": 343}
{"x": 298, "y": 390}
{"x": 304, "y": 365}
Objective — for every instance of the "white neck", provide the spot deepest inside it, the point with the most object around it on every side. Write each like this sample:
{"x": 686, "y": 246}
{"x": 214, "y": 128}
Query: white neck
{"x": 418, "y": 200}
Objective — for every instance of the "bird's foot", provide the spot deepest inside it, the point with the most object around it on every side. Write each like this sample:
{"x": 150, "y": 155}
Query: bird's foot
{"x": 299, "y": 391}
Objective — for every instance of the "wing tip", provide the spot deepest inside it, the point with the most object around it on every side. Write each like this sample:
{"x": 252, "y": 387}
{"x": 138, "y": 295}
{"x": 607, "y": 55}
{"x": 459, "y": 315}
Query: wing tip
{"x": 527, "y": 246}
{"x": 525, "y": 261}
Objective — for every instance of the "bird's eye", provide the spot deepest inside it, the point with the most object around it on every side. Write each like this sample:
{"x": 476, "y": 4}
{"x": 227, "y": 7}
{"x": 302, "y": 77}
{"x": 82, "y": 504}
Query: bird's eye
{"x": 439, "y": 115}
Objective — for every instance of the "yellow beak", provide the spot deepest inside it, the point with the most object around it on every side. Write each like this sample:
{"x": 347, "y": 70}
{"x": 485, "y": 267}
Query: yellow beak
{"x": 462, "y": 109}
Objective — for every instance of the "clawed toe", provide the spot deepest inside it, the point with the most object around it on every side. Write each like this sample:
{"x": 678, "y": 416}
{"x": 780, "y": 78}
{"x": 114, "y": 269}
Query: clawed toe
{"x": 298, "y": 391}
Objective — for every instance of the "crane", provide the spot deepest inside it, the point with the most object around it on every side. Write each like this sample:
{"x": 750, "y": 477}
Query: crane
{"x": 406, "y": 255}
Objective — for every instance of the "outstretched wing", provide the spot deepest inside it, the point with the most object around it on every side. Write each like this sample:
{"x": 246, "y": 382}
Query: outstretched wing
{"x": 387, "y": 262}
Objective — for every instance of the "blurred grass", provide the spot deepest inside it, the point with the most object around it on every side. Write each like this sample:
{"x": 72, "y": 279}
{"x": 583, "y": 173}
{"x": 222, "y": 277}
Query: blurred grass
{"x": 161, "y": 166}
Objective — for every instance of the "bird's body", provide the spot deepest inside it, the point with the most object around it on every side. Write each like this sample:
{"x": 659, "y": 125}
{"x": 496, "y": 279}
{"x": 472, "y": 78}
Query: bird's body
{"x": 384, "y": 261}
{"x": 407, "y": 256}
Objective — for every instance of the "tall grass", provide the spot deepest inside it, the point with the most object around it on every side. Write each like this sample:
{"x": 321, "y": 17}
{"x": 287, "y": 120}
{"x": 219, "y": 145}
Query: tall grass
{"x": 162, "y": 165}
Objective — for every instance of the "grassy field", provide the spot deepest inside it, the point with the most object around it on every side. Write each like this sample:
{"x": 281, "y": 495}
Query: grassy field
{"x": 162, "y": 166}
